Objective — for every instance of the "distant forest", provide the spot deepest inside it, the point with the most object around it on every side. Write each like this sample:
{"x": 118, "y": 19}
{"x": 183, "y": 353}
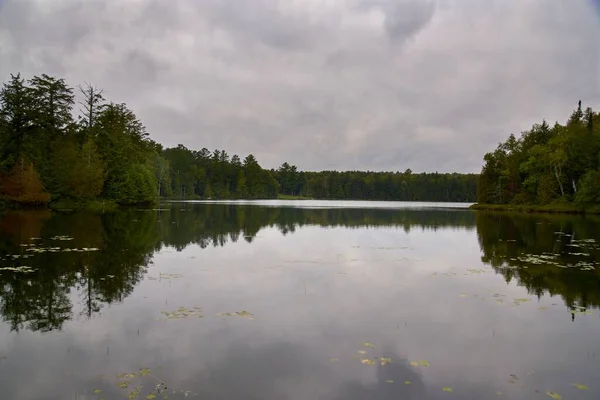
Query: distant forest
{"x": 53, "y": 149}
{"x": 546, "y": 165}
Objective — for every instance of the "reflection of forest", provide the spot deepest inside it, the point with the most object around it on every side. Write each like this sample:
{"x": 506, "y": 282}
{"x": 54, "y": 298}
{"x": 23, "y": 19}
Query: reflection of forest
{"x": 42, "y": 300}
{"x": 555, "y": 254}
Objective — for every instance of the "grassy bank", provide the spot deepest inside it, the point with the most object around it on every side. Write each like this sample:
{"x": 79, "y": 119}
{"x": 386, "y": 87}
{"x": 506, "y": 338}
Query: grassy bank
{"x": 561, "y": 208}
{"x": 290, "y": 197}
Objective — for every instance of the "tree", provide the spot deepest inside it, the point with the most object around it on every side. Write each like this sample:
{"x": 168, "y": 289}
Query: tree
{"x": 23, "y": 185}
{"x": 16, "y": 119}
{"x": 53, "y": 102}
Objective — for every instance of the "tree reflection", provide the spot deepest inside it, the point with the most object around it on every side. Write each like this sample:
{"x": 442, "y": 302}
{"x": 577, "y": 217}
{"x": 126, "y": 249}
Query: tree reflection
{"x": 42, "y": 300}
{"x": 544, "y": 254}
{"x": 531, "y": 249}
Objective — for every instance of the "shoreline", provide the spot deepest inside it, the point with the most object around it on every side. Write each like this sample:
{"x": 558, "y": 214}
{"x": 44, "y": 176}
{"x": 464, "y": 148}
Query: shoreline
{"x": 542, "y": 209}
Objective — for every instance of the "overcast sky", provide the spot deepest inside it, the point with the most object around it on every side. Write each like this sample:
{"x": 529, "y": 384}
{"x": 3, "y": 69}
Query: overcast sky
{"x": 323, "y": 84}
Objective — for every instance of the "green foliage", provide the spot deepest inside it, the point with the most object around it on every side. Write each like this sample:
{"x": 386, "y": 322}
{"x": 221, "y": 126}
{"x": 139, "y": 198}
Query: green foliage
{"x": 545, "y": 165}
{"x": 107, "y": 152}
{"x": 589, "y": 191}
{"x": 134, "y": 185}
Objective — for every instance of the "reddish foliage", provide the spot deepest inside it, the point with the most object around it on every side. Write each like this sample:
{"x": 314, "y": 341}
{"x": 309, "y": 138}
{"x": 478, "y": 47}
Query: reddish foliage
{"x": 23, "y": 185}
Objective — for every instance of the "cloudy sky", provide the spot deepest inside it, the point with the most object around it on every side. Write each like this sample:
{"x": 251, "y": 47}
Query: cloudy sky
{"x": 429, "y": 85}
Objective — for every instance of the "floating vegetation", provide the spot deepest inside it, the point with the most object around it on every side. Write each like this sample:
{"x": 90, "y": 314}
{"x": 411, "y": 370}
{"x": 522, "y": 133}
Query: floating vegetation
{"x": 542, "y": 308}
{"x": 390, "y": 248}
{"x": 183, "y": 312}
{"x": 580, "y": 386}
{"x": 60, "y": 249}
{"x": 124, "y": 381}
{"x": 463, "y": 295}
{"x": 385, "y": 361}
{"x": 389, "y": 381}
{"x": 554, "y": 395}
{"x": 169, "y": 276}
{"x": 23, "y": 269}
{"x": 407, "y": 382}
{"x": 521, "y": 300}
{"x": 448, "y": 389}
{"x": 162, "y": 276}
{"x": 244, "y": 314}
{"x": 419, "y": 363}
{"x": 367, "y": 361}
{"x": 134, "y": 393}
{"x": 370, "y": 345}
{"x": 60, "y": 237}
{"x": 475, "y": 271}
{"x": 362, "y": 352}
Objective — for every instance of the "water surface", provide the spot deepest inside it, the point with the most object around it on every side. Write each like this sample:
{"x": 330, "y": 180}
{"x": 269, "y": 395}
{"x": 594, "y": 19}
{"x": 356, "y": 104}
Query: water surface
{"x": 313, "y": 298}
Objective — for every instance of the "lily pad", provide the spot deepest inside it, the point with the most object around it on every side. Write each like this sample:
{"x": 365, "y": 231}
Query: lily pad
{"x": 414, "y": 363}
{"x": 580, "y": 386}
{"x": 370, "y": 345}
{"x": 134, "y": 393}
{"x": 389, "y": 381}
{"x": 424, "y": 363}
{"x": 554, "y": 395}
{"x": 448, "y": 389}
{"x": 407, "y": 382}
{"x": 385, "y": 361}
{"x": 521, "y": 300}
{"x": 183, "y": 312}
{"x": 244, "y": 314}
{"x": 475, "y": 271}
{"x": 367, "y": 361}
{"x": 123, "y": 384}
{"x": 362, "y": 352}
{"x": 23, "y": 269}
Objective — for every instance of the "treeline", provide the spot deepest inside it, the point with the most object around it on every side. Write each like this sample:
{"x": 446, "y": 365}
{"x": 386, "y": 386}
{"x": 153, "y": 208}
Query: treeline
{"x": 205, "y": 174}
{"x": 54, "y": 148}
{"x": 558, "y": 164}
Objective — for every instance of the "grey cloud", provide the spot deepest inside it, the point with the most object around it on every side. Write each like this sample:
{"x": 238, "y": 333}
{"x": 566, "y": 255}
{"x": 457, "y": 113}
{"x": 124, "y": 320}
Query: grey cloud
{"x": 357, "y": 84}
{"x": 403, "y": 18}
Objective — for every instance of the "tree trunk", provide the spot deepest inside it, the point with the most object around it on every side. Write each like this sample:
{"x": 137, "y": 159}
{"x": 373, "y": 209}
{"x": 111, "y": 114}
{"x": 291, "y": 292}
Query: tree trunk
{"x": 557, "y": 175}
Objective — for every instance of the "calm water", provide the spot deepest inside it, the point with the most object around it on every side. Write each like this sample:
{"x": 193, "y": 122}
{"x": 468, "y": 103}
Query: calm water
{"x": 314, "y": 297}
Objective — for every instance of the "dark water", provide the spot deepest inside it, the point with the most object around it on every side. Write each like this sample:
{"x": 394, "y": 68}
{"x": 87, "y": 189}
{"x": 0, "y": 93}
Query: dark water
{"x": 457, "y": 304}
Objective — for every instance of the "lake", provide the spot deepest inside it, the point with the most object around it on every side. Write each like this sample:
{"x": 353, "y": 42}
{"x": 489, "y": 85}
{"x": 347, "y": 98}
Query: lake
{"x": 299, "y": 300}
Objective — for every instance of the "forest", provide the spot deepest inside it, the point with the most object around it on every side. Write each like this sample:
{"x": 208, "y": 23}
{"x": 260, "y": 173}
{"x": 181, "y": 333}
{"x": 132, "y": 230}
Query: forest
{"x": 60, "y": 143}
{"x": 548, "y": 165}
